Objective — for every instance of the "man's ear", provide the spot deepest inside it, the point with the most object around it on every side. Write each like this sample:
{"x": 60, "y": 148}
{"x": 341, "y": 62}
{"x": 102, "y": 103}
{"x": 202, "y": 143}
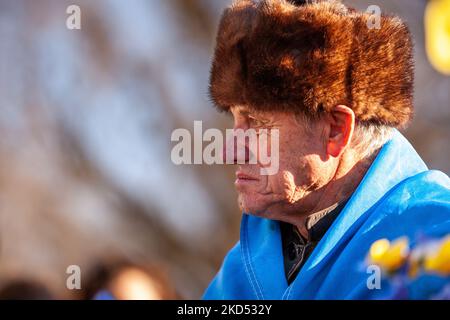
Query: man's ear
{"x": 342, "y": 124}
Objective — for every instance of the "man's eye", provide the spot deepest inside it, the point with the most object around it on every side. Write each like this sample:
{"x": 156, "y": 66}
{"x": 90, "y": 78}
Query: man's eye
{"x": 255, "y": 122}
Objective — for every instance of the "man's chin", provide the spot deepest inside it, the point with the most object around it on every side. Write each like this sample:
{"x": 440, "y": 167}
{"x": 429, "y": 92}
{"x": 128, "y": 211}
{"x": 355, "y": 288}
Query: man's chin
{"x": 251, "y": 206}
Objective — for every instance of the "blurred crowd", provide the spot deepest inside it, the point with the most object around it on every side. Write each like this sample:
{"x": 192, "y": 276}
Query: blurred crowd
{"x": 111, "y": 281}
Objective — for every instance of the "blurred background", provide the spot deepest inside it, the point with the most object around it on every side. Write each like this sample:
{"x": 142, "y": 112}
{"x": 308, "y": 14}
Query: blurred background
{"x": 86, "y": 118}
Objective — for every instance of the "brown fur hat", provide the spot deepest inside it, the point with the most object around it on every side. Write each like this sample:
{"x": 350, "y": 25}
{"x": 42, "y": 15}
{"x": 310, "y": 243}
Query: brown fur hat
{"x": 275, "y": 55}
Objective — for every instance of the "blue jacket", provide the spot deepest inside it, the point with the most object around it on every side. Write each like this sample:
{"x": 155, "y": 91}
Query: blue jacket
{"x": 397, "y": 197}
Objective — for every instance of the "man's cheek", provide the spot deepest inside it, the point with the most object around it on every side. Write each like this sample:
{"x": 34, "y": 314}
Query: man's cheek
{"x": 285, "y": 187}
{"x": 280, "y": 183}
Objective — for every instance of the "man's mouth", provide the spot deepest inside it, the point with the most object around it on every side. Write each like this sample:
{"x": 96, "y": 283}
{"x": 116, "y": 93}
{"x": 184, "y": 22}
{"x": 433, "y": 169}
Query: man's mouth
{"x": 243, "y": 178}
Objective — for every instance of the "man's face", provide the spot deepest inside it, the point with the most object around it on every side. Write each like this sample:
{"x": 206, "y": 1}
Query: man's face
{"x": 302, "y": 169}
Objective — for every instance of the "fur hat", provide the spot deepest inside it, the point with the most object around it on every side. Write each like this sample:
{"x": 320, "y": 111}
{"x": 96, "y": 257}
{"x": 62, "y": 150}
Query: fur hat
{"x": 276, "y": 55}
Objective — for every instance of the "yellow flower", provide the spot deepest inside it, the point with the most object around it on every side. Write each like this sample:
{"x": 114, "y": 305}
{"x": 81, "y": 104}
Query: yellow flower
{"x": 437, "y": 34}
{"x": 439, "y": 262}
{"x": 378, "y": 249}
{"x": 389, "y": 255}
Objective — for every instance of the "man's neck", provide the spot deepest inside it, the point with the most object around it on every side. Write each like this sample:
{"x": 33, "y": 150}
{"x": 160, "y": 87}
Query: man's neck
{"x": 347, "y": 177}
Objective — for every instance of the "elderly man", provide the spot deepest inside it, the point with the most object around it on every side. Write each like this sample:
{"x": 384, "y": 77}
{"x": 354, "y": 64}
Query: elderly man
{"x": 336, "y": 88}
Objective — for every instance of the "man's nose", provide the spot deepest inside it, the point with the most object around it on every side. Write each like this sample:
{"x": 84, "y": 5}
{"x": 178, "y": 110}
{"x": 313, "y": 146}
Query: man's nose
{"x": 235, "y": 150}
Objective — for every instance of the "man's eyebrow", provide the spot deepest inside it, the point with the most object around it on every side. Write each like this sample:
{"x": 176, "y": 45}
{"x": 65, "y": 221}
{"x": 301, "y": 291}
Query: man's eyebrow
{"x": 250, "y": 113}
